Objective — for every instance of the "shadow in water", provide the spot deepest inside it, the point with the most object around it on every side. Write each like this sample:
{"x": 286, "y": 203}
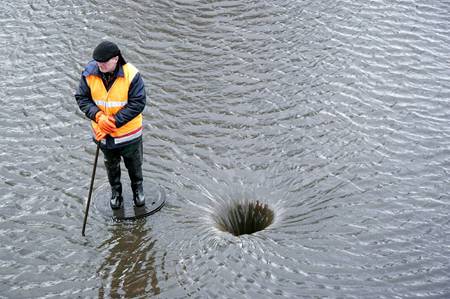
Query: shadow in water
{"x": 129, "y": 270}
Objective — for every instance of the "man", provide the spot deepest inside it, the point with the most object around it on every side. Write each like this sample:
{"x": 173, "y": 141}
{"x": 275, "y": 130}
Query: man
{"x": 112, "y": 94}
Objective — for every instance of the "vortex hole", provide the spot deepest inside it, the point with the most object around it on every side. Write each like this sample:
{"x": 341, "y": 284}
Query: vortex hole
{"x": 242, "y": 218}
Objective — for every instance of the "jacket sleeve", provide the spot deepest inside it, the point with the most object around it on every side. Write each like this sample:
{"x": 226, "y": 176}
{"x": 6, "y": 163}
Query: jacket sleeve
{"x": 84, "y": 99}
{"x": 136, "y": 102}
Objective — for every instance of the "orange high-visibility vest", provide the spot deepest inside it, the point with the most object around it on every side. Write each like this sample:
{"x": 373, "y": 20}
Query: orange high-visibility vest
{"x": 112, "y": 100}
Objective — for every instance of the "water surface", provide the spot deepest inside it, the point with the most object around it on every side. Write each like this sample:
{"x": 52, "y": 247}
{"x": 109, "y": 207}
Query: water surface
{"x": 334, "y": 113}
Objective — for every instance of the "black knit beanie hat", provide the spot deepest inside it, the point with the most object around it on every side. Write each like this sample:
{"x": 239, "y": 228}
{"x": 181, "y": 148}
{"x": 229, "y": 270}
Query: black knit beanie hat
{"x": 105, "y": 51}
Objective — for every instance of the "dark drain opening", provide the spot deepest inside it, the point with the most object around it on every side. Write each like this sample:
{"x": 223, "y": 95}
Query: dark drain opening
{"x": 241, "y": 218}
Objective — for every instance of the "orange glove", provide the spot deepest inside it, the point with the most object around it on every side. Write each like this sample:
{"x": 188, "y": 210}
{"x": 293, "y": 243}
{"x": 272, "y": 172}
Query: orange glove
{"x": 106, "y": 123}
{"x": 100, "y": 135}
{"x": 112, "y": 119}
{"x": 97, "y": 115}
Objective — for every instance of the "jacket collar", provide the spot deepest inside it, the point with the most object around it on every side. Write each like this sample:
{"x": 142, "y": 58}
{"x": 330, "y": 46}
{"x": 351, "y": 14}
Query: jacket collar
{"x": 92, "y": 69}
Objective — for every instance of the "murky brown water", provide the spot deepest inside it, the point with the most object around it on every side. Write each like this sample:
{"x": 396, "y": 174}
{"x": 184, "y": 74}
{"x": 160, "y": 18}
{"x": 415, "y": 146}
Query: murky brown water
{"x": 335, "y": 113}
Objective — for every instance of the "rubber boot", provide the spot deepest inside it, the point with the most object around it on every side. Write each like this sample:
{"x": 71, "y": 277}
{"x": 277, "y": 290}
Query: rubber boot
{"x": 138, "y": 195}
{"x": 133, "y": 162}
{"x": 113, "y": 170}
{"x": 116, "y": 198}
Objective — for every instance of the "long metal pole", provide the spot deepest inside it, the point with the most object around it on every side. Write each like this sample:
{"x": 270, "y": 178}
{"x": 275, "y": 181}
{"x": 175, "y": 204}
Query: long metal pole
{"x": 90, "y": 190}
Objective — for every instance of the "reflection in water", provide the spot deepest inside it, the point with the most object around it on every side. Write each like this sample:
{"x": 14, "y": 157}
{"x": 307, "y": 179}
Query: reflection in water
{"x": 130, "y": 267}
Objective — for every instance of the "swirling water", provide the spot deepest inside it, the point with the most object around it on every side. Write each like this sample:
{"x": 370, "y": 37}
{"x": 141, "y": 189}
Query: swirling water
{"x": 335, "y": 113}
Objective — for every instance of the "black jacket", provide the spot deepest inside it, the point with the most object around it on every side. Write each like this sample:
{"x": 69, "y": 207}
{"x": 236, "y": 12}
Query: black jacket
{"x": 136, "y": 97}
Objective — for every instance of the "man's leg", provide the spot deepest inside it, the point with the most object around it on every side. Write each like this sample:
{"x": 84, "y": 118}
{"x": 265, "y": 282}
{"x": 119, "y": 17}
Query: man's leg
{"x": 112, "y": 164}
{"x": 133, "y": 157}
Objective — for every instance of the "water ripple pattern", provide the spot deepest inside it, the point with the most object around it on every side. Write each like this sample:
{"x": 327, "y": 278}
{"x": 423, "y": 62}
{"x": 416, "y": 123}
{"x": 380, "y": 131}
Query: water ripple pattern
{"x": 334, "y": 113}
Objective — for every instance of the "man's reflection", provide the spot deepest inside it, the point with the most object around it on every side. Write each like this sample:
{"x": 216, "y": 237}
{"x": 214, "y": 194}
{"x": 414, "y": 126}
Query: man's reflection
{"x": 129, "y": 269}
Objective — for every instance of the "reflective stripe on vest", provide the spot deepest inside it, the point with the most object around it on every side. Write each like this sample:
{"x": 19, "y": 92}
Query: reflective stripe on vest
{"x": 113, "y": 100}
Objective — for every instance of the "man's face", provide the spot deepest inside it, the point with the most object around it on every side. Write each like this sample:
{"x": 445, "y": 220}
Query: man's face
{"x": 108, "y": 66}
